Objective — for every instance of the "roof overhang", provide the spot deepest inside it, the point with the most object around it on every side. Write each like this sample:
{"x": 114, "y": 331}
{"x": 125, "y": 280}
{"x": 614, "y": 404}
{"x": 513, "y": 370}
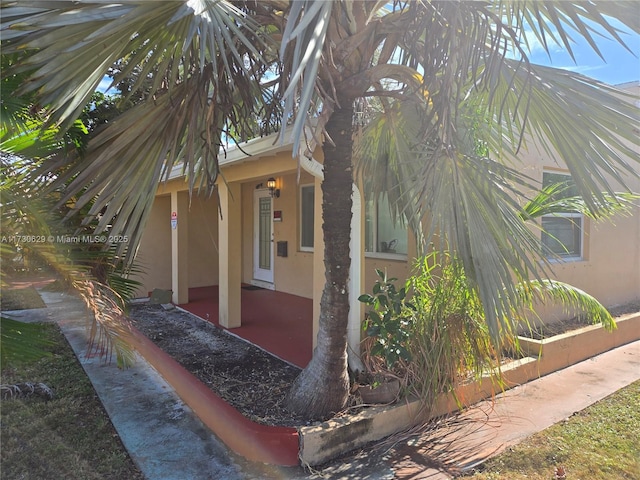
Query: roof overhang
{"x": 249, "y": 151}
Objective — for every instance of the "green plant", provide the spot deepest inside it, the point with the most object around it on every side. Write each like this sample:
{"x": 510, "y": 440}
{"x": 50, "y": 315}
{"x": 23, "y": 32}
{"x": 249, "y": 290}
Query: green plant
{"x": 388, "y": 320}
{"x": 450, "y": 341}
{"x": 433, "y": 331}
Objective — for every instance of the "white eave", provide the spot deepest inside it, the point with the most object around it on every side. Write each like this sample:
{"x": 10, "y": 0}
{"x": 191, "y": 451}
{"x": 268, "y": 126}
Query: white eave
{"x": 249, "y": 151}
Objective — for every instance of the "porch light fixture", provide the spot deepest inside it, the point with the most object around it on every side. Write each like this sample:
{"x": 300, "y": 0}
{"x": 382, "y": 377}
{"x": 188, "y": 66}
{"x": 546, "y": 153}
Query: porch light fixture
{"x": 271, "y": 185}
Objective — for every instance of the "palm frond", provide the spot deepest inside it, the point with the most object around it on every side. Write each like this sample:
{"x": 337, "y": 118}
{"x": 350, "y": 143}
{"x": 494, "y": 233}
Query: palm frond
{"x": 26, "y": 213}
{"x": 471, "y": 202}
{"x": 171, "y": 38}
{"x": 550, "y": 200}
{"x": 384, "y": 157}
{"x": 472, "y": 208}
{"x": 125, "y": 161}
{"x": 557, "y": 21}
{"x": 109, "y": 327}
{"x": 302, "y": 44}
{"x": 571, "y": 299}
{"x": 33, "y": 140}
{"x": 556, "y": 107}
{"x": 109, "y": 269}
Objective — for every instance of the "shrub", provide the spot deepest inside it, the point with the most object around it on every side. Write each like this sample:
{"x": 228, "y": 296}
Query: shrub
{"x": 387, "y": 322}
{"x": 449, "y": 339}
{"x": 431, "y": 331}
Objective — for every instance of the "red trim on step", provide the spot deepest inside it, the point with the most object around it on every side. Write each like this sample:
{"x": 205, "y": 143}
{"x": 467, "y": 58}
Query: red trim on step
{"x": 254, "y": 441}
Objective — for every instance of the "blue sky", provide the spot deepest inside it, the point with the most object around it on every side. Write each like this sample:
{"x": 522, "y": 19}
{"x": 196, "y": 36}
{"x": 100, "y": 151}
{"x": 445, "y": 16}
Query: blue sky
{"x": 620, "y": 67}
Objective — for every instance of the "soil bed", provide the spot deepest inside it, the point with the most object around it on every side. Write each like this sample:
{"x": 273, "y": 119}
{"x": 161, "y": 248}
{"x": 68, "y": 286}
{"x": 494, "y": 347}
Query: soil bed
{"x": 253, "y": 381}
{"x": 250, "y": 379}
{"x": 557, "y": 328}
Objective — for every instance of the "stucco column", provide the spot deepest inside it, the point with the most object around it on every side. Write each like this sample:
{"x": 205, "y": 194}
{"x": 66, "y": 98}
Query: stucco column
{"x": 356, "y": 271}
{"x": 356, "y": 276}
{"x": 179, "y": 247}
{"x": 230, "y": 254}
{"x": 318, "y": 258}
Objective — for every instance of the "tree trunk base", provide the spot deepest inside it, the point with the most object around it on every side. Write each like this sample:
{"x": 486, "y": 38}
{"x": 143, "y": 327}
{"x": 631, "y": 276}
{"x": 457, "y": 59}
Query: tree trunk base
{"x": 316, "y": 399}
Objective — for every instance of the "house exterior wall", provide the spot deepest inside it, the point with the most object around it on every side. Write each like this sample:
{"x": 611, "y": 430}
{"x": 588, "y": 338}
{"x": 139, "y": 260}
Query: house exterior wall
{"x": 203, "y": 241}
{"x": 292, "y": 273}
{"x": 154, "y": 252}
{"x": 609, "y": 269}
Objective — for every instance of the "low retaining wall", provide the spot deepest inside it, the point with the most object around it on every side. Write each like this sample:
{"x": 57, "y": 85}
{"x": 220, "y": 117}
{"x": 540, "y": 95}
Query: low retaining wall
{"x": 314, "y": 445}
{"x": 254, "y": 441}
{"x": 560, "y": 351}
{"x": 320, "y": 443}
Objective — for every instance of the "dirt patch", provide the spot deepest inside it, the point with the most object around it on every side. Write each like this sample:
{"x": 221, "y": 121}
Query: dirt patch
{"x": 248, "y": 378}
{"x": 557, "y": 328}
{"x": 253, "y": 381}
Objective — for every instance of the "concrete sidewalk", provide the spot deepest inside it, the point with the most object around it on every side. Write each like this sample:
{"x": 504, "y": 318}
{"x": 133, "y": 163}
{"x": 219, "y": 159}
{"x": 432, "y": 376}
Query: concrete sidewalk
{"x": 168, "y": 441}
{"x": 162, "y": 435}
{"x": 490, "y": 427}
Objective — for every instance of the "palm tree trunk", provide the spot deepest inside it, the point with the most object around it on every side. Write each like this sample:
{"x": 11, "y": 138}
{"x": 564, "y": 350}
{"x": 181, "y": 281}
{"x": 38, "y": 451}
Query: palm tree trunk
{"x": 323, "y": 386}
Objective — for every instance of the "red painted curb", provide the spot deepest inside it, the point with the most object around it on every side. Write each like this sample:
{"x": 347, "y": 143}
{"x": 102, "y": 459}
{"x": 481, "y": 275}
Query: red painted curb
{"x": 260, "y": 443}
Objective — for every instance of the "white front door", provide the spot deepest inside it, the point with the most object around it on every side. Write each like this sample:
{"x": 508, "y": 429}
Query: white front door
{"x": 262, "y": 236}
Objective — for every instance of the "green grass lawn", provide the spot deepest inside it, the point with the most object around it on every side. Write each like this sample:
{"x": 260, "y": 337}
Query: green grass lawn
{"x": 601, "y": 442}
{"x": 69, "y": 437}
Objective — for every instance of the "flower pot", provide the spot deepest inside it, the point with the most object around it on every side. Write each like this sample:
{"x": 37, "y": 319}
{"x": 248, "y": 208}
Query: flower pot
{"x": 385, "y": 392}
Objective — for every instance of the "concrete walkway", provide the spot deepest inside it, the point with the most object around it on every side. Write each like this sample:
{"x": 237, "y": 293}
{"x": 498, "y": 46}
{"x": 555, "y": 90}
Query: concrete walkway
{"x": 490, "y": 427}
{"x": 164, "y": 438}
{"x": 168, "y": 441}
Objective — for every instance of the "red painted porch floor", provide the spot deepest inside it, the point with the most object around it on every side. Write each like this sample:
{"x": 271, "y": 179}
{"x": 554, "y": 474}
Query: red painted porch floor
{"x": 278, "y": 322}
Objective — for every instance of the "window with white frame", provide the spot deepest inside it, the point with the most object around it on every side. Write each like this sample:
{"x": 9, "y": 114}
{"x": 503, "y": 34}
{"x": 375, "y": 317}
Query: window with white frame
{"x": 562, "y": 233}
{"x": 382, "y": 235}
{"x": 307, "y": 195}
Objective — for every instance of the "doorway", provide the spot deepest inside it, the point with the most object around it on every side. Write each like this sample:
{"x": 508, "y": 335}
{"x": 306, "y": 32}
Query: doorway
{"x": 263, "y": 251}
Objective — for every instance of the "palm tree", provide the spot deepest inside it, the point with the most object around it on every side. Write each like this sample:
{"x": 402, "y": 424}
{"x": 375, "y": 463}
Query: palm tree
{"x": 100, "y": 279}
{"x": 216, "y": 66}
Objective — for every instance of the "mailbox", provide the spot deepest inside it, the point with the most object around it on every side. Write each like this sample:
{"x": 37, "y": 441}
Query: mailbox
{"x": 281, "y": 248}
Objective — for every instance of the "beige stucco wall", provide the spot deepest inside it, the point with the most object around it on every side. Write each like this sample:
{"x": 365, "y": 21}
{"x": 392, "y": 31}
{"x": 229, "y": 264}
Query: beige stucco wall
{"x": 154, "y": 252}
{"x": 292, "y": 274}
{"x": 203, "y": 241}
{"x": 610, "y": 267}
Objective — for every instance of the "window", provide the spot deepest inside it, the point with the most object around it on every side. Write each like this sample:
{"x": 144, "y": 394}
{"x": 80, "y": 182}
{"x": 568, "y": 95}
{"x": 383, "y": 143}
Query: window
{"x": 381, "y": 234}
{"x": 307, "y": 194}
{"x": 562, "y": 232}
